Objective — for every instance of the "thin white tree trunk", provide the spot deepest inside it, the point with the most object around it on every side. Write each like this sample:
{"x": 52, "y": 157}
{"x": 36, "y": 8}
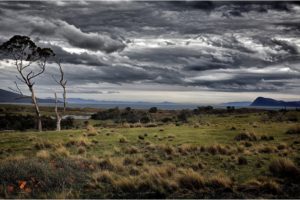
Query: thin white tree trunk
{"x": 37, "y": 110}
{"x": 58, "y": 117}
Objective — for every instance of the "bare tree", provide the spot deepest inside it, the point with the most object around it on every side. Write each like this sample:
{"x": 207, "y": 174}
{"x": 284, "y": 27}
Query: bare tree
{"x": 24, "y": 52}
{"x": 62, "y": 82}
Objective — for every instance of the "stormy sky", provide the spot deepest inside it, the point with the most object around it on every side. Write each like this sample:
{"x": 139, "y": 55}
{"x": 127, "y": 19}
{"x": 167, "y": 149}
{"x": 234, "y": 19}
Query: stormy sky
{"x": 183, "y": 51}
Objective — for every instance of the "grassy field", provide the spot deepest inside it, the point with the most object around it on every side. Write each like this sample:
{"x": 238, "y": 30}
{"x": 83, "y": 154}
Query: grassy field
{"x": 211, "y": 156}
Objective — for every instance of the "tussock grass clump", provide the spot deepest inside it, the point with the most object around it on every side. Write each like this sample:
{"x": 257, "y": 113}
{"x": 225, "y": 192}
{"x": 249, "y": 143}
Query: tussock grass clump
{"x": 123, "y": 140}
{"x": 81, "y": 150}
{"x": 189, "y": 179}
{"x": 125, "y": 125}
{"x": 125, "y": 184}
{"x": 197, "y": 165}
{"x": 242, "y": 160}
{"x": 164, "y": 171}
{"x": 266, "y": 149}
{"x": 284, "y": 167}
{"x": 217, "y": 149}
{"x": 134, "y": 171}
{"x": 103, "y": 177}
{"x": 137, "y": 125}
{"x": 151, "y": 147}
{"x": 212, "y": 149}
{"x": 128, "y": 161}
{"x": 196, "y": 126}
{"x": 261, "y": 186}
{"x": 139, "y": 162}
{"x": 266, "y": 138}
{"x": 220, "y": 181}
{"x": 247, "y": 144}
{"x": 112, "y": 164}
{"x": 282, "y": 146}
{"x": 106, "y": 164}
{"x": 62, "y": 151}
{"x": 91, "y": 134}
{"x": 246, "y": 136}
{"x": 43, "y": 154}
{"x": 131, "y": 150}
{"x": 168, "y": 149}
{"x": 16, "y": 157}
{"x": 81, "y": 141}
{"x": 43, "y": 145}
{"x": 150, "y": 125}
{"x": 90, "y": 129}
{"x": 187, "y": 148}
{"x": 294, "y": 130}
{"x": 141, "y": 137}
{"x": 95, "y": 141}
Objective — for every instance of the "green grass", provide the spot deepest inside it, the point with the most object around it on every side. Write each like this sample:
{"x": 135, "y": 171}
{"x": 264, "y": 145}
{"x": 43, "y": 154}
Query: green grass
{"x": 212, "y": 130}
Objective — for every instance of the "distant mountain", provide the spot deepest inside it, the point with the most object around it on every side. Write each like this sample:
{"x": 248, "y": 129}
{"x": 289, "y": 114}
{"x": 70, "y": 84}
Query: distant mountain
{"x": 237, "y": 104}
{"x": 262, "y": 101}
{"x": 92, "y": 101}
{"x": 11, "y": 97}
{"x": 82, "y": 101}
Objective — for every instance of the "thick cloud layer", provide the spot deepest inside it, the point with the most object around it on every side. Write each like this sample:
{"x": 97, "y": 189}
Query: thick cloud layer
{"x": 217, "y": 46}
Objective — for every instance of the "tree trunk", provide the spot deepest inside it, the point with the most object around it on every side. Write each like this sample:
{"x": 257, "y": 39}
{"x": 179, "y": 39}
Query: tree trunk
{"x": 37, "y": 110}
{"x": 58, "y": 127}
{"x": 58, "y": 117}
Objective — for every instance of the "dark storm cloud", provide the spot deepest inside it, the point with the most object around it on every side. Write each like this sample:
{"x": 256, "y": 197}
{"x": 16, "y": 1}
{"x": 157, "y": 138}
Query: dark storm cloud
{"x": 188, "y": 43}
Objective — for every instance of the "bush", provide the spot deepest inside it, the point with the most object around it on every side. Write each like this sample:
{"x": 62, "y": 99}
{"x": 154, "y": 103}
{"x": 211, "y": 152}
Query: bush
{"x": 153, "y": 110}
{"x": 184, "y": 115}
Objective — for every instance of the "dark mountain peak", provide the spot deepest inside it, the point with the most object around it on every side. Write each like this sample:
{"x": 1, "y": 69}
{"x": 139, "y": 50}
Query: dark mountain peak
{"x": 262, "y": 101}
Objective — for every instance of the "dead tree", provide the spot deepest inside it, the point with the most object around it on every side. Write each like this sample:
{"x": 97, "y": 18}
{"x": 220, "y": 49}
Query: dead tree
{"x": 62, "y": 82}
{"x": 24, "y": 52}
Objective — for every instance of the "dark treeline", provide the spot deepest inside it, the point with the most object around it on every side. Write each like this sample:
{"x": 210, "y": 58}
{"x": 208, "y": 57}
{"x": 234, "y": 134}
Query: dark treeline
{"x": 25, "y": 122}
{"x": 130, "y": 115}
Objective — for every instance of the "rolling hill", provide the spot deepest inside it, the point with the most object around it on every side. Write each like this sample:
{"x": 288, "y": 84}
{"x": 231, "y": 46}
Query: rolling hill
{"x": 11, "y": 97}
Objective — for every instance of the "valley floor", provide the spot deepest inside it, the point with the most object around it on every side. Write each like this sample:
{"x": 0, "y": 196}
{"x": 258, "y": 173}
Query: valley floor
{"x": 232, "y": 156}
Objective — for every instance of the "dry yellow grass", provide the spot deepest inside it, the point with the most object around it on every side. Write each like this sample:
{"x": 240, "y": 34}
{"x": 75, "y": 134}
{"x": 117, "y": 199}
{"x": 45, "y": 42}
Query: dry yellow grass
{"x": 43, "y": 154}
{"x": 189, "y": 179}
{"x": 62, "y": 151}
